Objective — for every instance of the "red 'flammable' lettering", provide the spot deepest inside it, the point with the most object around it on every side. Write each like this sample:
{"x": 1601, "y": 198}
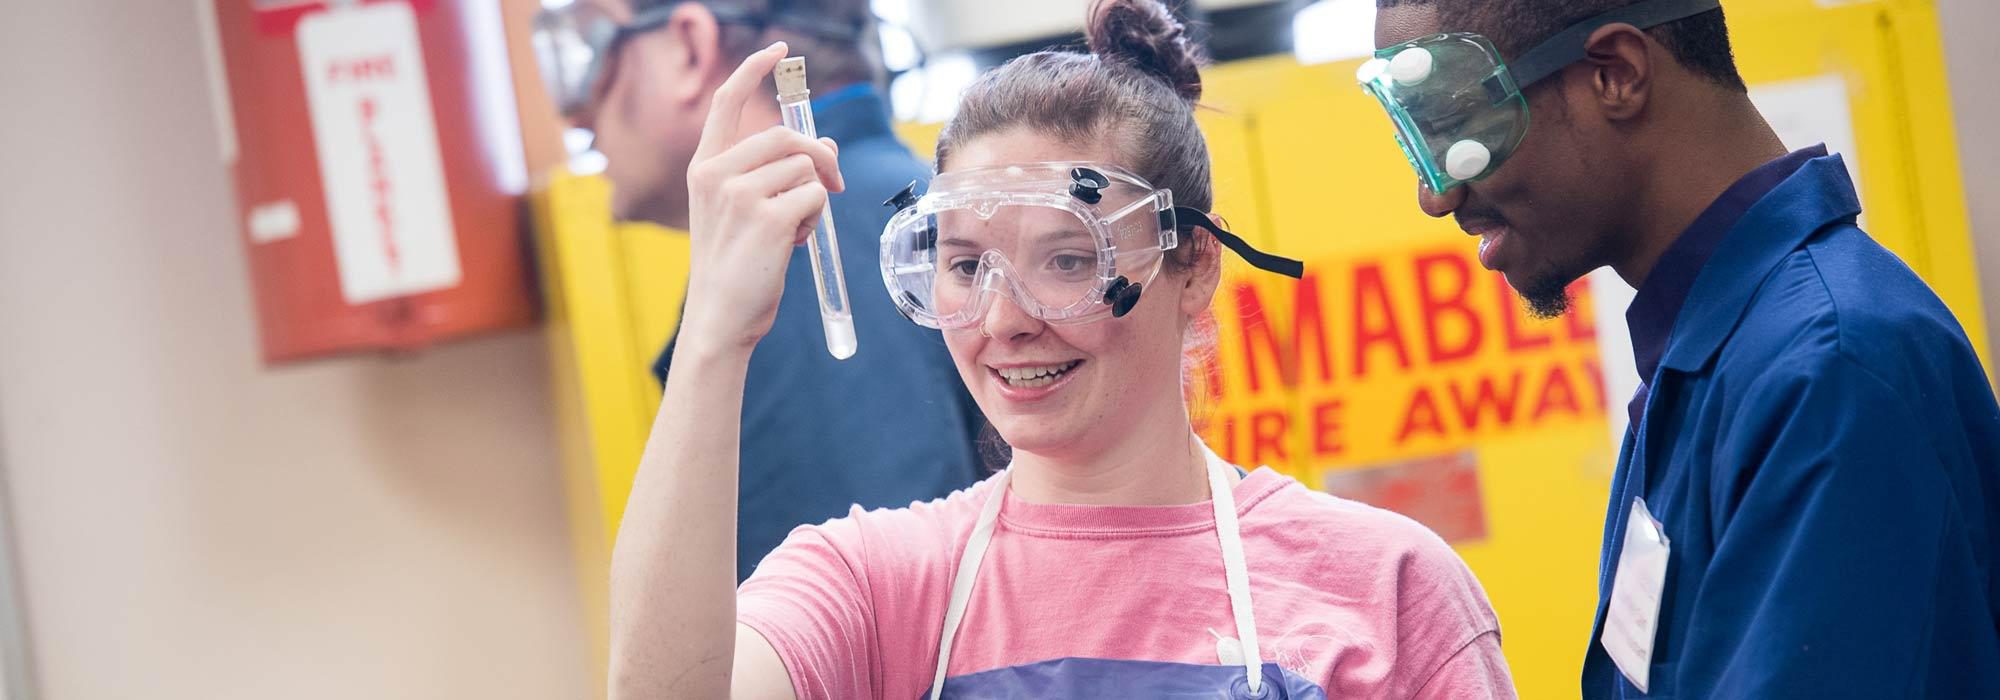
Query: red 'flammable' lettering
{"x": 1267, "y": 437}
{"x": 1271, "y": 428}
{"x": 1421, "y": 417}
{"x": 1487, "y": 401}
{"x": 1557, "y": 394}
{"x": 1447, "y": 409}
{"x": 1256, "y": 331}
{"x": 1459, "y": 316}
{"x": 1371, "y": 293}
{"x": 1453, "y": 303}
{"x": 1327, "y": 440}
{"x": 1485, "y": 394}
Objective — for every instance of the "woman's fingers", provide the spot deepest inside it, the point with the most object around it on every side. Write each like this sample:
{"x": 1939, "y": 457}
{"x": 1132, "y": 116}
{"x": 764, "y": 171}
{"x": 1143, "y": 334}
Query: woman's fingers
{"x": 801, "y": 204}
{"x": 774, "y": 144}
{"x": 778, "y": 177}
{"x": 731, "y": 153}
{"x": 725, "y": 108}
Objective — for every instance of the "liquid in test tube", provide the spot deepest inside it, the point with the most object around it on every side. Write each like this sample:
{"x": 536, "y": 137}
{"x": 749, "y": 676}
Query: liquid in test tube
{"x": 794, "y": 100}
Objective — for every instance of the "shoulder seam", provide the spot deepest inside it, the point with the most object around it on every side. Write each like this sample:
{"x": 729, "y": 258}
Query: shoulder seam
{"x": 1832, "y": 302}
{"x": 1840, "y": 348}
{"x": 1432, "y": 676}
{"x": 1903, "y": 403}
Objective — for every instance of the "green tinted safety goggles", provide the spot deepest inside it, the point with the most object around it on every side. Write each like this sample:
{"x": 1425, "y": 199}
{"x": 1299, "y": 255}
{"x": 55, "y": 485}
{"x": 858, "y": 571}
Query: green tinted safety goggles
{"x": 1458, "y": 107}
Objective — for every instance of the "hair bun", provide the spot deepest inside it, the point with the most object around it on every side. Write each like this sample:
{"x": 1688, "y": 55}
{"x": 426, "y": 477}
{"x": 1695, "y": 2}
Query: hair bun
{"x": 1145, "y": 34}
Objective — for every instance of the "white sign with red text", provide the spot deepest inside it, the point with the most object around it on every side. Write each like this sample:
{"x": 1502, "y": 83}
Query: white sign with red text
{"x": 378, "y": 151}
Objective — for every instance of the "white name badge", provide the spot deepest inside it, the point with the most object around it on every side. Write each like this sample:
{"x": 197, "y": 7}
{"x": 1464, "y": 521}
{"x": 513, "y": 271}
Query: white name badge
{"x": 1632, "y": 621}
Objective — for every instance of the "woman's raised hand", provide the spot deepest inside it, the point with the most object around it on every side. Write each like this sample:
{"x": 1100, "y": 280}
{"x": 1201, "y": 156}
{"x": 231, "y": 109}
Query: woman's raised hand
{"x": 753, "y": 195}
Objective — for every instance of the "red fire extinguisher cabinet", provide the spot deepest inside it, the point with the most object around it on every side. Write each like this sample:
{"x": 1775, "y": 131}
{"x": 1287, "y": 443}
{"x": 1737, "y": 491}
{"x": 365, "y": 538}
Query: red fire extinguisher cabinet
{"x": 378, "y": 171}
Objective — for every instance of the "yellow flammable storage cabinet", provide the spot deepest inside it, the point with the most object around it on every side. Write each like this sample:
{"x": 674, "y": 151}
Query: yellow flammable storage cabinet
{"x": 1398, "y": 372}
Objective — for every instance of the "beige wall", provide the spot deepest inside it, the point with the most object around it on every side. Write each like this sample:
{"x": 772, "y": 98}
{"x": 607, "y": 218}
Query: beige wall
{"x": 1974, "y": 62}
{"x": 191, "y": 525}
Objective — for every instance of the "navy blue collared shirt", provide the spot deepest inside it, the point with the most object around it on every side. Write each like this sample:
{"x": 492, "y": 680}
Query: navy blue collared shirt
{"x": 1821, "y": 447}
{"x": 887, "y": 427}
{"x": 1658, "y": 303}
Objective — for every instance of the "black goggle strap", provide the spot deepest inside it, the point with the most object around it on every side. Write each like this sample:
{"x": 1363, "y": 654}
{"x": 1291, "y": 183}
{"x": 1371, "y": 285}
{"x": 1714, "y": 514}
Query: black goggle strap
{"x": 647, "y": 20}
{"x": 799, "y": 17}
{"x": 1195, "y": 218}
{"x": 1566, "y": 47}
{"x": 806, "y": 22}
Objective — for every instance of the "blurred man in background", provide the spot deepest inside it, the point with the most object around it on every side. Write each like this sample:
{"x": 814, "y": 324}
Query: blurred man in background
{"x": 1807, "y": 501}
{"x": 889, "y": 426}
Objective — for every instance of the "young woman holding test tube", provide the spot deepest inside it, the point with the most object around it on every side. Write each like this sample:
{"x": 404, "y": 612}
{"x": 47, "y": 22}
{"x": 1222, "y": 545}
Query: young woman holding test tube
{"x": 1066, "y": 254}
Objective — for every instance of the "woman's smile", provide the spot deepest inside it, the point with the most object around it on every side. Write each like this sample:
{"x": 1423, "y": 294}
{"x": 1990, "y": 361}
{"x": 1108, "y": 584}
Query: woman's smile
{"x": 1034, "y": 381}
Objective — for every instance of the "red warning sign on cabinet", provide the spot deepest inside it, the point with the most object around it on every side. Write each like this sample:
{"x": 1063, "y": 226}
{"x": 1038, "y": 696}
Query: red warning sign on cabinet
{"x": 378, "y": 169}
{"x": 378, "y": 152}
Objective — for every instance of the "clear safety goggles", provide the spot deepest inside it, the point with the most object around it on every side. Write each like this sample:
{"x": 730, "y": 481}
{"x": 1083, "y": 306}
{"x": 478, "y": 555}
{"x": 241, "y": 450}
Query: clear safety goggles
{"x": 576, "y": 42}
{"x": 1458, "y": 108}
{"x": 1065, "y": 242}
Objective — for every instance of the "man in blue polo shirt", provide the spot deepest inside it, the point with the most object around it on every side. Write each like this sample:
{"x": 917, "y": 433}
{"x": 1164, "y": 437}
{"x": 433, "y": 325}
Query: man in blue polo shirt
{"x": 891, "y": 425}
{"x": 1807, "y": 501}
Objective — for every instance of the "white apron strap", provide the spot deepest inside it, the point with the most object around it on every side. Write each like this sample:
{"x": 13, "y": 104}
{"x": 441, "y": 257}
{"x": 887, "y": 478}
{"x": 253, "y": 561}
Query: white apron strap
{"x": 1235, "y": 572}
{"x": 968, "y": 571}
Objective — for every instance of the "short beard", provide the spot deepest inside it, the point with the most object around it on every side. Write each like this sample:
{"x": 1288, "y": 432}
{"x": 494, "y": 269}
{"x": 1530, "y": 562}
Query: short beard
{"x": 1547, "y": 297}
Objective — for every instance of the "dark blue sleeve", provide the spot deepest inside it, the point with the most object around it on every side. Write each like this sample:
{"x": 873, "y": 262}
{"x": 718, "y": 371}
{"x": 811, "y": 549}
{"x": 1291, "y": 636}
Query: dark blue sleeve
{"x": 1832, "y": 506}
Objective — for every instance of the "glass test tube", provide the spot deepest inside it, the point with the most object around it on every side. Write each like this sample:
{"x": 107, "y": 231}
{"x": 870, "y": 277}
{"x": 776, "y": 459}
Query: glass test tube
{"x": 834, "y": 314}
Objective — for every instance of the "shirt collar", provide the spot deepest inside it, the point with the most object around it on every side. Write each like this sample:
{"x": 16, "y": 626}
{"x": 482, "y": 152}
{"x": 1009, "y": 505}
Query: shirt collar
{"x": 1658, "y": 304}
{"x": 852, "y": 113}
{"x": 1818, "y": 196}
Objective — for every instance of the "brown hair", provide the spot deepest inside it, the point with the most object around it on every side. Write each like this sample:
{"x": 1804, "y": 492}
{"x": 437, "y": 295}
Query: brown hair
{"x": 1138, "y": 86}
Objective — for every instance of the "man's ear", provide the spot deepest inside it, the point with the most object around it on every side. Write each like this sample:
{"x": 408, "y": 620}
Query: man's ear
{"x": 1621, "y": 77}
{"x": 690, "y": 48}
{"x": 1198, "y": 291}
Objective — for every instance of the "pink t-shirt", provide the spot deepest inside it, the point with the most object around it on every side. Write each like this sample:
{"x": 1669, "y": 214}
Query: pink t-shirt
{"x": 1362, "y": 601}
